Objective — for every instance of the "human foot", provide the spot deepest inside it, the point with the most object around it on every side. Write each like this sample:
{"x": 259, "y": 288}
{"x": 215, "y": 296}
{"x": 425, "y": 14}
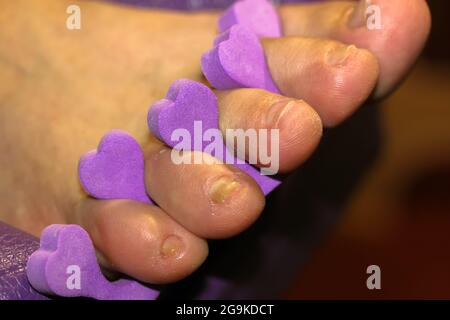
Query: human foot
{"x": 76, "y": 85}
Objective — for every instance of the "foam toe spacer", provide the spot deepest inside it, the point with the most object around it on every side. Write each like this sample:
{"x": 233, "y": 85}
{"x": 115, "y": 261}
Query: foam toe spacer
{"x": 237, "y": 59}
{"x": 65, "y": 265}
{"x": 190, "y": 112}
{"x": 115, "y": 170}
{"x": 186, "y": 101}
{"x": 258, "y": 15}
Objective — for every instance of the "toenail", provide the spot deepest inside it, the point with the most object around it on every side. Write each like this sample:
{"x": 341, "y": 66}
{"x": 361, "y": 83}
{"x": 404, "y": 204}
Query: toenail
{"x": 172, "y": 247}
{"x": 223, "y": 188}
{"x": 338, "y": 57}
{"x": 357, "y": 14}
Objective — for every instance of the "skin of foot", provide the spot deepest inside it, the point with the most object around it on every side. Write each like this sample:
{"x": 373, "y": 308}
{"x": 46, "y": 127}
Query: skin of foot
{"x": 61, "y": 90}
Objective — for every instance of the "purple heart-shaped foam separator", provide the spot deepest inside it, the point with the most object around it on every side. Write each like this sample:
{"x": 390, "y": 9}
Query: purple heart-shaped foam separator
{"x": 115, "y": 170}
{"x": 65, "y": 265}
{"x": 186, "y": 101}
{"x": 237, "y": 60}
{"x": 260, "y": 16}
{"x": 188, "y": 112}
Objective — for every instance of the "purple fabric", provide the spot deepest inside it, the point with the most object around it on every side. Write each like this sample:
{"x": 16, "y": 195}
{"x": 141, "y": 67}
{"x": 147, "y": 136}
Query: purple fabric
{"x": 15, "y": 248}
{"x": 191, "y": 4}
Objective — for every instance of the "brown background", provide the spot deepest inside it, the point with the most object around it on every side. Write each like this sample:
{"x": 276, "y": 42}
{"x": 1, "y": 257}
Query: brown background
{"x": 399, "y": 216}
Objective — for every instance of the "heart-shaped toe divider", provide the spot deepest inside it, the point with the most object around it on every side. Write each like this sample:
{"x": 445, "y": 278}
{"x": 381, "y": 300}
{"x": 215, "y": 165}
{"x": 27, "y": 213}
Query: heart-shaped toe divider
{"x": 65, "y": 265}
{"x": 190, "y": 112}
{"x": 237, "y": 60}
{"x": 115, "y": 170}
{"x": 186, "y": 102}
{"x": 260, "y": 16}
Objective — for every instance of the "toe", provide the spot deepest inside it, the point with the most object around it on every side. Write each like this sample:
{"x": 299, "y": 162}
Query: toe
{"x": 394, "y": 31}
{"x": 209, "y": 198}
{"x": 299, "y": 127}
{"x": 141, "y": 240}
{"x": 332, "y": 77}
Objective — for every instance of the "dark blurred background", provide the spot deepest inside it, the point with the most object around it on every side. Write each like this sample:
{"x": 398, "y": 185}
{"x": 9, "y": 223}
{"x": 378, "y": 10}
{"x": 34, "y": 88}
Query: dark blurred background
{"x": 399, "y": 216}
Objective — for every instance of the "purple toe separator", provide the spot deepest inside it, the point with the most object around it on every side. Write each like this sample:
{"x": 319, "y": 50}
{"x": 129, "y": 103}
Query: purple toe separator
{"x": 258, "y": 15}
{"x": 66, "y": 265}
{"x": 115, "y": 170}
{"x": 237, "y": 58}
{"x": 192, "y": 107}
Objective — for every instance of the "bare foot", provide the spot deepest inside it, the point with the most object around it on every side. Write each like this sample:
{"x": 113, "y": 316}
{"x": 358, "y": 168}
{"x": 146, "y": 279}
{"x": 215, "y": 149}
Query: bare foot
{"x": 61, "y": 90}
